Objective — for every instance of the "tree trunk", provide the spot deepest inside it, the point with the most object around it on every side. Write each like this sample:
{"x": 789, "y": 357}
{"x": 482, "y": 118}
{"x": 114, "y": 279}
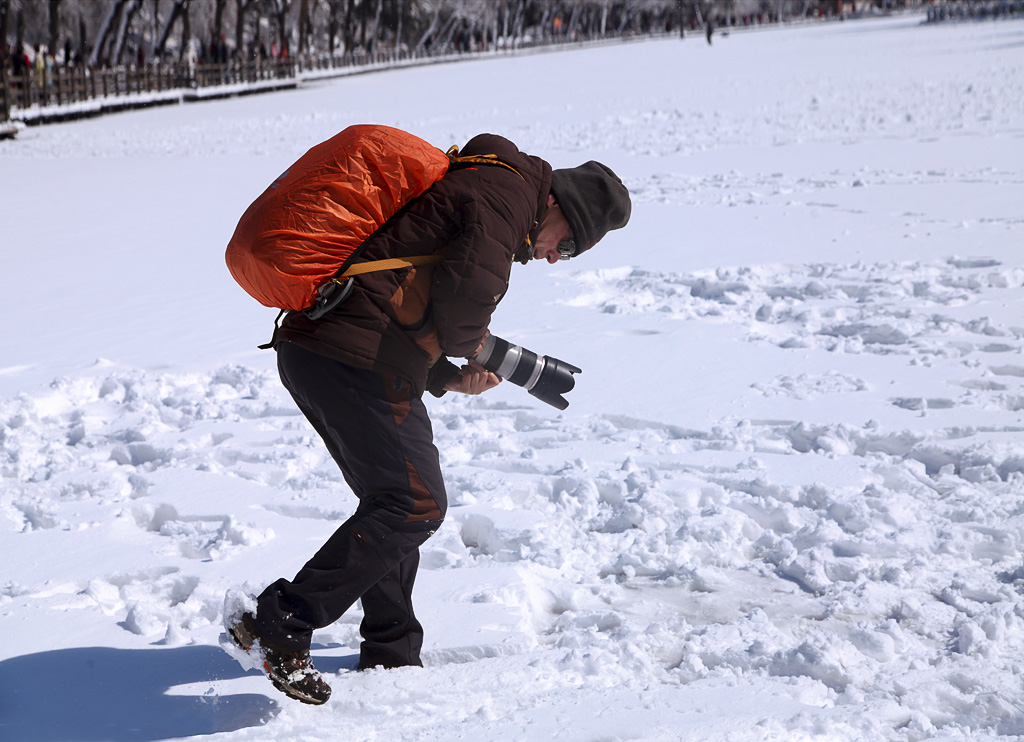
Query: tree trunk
{"x": 517, "y": 23}
{"x": 303, "y": 26}
{"x": 333, "y": 10}
{"x": 362, "y": 31}
{"x": 697, "y": 14}
{"x": 587, "y": 24}
{"x": 54, "y": 27}
{"x": 5, "y": 13}
{"x": 218, "y": 19}
{"x": 375, "y": 35}
{"x": 574, "y": 20}
{"x": 430, "y": 29}
{"x": 281, "y": 17}
{"x": 179, "y": 9}
{"x": 155, "y": 30}
{"x": 545, "y": 23}
{"x": 400, "y": 26}
{"x": 83, "y": 38}
{"x": 349, "y": 28}
{"x": 627, "y": 14}
{"x": 117, "y": 49}
{"x": 241, "y": 9}
{"x": 495, "y": 33}
{"x": 186, "y": 29}
{"x": 446, "y": 32}
{"x": 111, "y": 20}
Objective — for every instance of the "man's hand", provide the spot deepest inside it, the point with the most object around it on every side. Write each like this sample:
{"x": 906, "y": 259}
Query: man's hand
{"x": 473, "y": 379}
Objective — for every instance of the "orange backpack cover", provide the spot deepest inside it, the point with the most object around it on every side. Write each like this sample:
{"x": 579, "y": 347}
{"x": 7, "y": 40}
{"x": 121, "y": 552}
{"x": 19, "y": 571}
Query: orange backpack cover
{"x": 311, "y": 221}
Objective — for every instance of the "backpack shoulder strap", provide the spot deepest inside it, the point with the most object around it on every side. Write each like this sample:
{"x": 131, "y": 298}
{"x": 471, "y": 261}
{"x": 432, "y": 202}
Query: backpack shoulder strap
{"x": 389, "y": 264}
{"x": 455, "y": 160}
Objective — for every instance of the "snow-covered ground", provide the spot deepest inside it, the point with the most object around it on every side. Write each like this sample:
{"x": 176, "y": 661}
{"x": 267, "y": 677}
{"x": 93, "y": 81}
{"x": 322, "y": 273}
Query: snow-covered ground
{"x": 786, "y": 501}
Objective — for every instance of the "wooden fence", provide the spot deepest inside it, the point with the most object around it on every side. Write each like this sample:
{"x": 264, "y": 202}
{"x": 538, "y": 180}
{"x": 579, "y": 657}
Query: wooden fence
{"x": 68, "y": 91}
{"x": 5, "y": 98}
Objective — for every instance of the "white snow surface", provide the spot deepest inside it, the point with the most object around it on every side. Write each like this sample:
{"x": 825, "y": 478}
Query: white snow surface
{"x": 786, "y": 501}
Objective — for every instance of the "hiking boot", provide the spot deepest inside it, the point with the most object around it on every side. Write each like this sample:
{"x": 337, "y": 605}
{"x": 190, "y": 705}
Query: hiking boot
{"x": 290, "y": 671}
{"x": 242, "y": 632}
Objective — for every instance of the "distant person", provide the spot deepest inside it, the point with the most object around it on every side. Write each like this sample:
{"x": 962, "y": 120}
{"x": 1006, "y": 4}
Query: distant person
{"x": 358, "y": 374}
{"x": 48, "y": 64}
{"x": 19, "y": 66}
{"x": 709, "y": 31}
{"x": 39, "y": 67}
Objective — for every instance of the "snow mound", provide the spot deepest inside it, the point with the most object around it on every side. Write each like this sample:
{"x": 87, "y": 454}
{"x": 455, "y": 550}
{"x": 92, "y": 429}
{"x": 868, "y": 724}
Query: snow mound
{"x": 665, "y": 556}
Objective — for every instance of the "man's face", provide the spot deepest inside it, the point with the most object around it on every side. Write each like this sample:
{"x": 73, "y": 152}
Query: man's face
{"x": 553, "y": 230}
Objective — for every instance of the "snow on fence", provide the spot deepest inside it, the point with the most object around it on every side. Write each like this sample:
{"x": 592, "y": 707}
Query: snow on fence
{"x": 60, "y": 93}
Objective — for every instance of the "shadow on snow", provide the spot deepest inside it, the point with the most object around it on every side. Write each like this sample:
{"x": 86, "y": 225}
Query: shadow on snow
{"x": 90, "y": 694}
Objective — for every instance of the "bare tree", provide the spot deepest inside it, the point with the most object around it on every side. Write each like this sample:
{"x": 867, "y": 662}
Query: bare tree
{"x": 179, "y": 9}
{"x": 305, "y": 26}
{"x": 5, "y": 13}
{"x": 427, "y": 35}
{"x": 114, "y": 28}
{"x": 400, "y": 8}
{"x": 127, "y": 16}
{"x": 218, "y": 20}
{"x": 109, "y": 23}
{"x": 548, "y": 12}
{"x": 349, "y": 26}
{"x": 574, "y": 20}
{"x": 334, "y": 8}
{"x": 445, "y": 34}
{"x": 241, "y": 7}
{"x": 519, "y": 20}
{"x": 279, "y": 10}
{"x": 54, "y": 25}
{"x": 375, "y": 34}
{"x": 20, "y": 43}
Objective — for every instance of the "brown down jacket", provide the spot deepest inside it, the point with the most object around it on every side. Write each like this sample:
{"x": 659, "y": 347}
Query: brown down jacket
{"x": 406, "y": 321}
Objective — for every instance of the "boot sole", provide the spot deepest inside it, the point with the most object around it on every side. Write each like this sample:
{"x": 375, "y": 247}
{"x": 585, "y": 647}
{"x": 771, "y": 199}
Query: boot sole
{"x": 291, "y": 692}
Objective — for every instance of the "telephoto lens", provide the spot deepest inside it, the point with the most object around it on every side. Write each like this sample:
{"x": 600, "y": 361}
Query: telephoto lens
{"x": 544, "y": 377}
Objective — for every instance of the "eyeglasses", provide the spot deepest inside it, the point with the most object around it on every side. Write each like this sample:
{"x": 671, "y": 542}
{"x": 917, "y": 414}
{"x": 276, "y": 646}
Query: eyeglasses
{"x": 566, "y": 249}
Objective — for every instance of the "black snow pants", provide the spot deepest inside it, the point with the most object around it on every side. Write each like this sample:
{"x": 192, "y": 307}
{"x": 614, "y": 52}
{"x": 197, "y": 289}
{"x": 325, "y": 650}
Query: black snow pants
{"x": 380, "y": 436}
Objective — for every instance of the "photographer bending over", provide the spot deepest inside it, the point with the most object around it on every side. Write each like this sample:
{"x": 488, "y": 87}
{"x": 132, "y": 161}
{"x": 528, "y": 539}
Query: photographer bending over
{"x": 358, "y": 374}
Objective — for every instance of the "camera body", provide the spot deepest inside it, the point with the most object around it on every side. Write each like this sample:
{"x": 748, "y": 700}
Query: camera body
{"x": 544, "y": 377}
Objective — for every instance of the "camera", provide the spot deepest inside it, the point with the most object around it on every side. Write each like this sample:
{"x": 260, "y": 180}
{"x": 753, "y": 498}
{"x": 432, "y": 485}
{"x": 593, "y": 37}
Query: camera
{"x": 544, "y": 377}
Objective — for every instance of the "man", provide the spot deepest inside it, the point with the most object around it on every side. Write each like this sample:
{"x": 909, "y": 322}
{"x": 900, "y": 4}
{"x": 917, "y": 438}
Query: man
{"x": 358, "y": 375}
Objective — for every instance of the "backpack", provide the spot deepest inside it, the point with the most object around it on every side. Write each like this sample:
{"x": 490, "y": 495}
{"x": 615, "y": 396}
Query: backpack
{"x": 296, "y": 245}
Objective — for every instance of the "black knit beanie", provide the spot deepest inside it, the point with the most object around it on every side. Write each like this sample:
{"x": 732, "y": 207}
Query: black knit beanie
{"x": 593, "y": 200}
